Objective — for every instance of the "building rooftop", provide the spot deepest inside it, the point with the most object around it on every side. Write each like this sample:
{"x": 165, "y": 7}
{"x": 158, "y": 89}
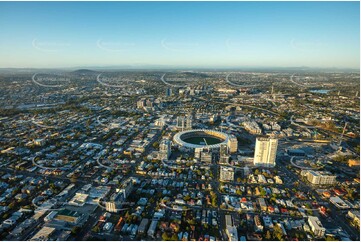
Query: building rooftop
{"x": 43, "y": 234}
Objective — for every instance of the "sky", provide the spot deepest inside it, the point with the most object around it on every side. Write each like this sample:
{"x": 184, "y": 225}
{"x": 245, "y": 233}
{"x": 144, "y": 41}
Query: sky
{"x": 179, "y": 34}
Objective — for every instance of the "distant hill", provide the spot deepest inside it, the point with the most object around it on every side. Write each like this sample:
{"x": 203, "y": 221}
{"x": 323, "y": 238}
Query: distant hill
{"x": 84, "y": 72}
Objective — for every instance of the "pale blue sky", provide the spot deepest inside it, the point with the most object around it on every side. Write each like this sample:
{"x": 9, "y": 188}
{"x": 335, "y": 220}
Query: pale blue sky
{"x": 193, "y": 34}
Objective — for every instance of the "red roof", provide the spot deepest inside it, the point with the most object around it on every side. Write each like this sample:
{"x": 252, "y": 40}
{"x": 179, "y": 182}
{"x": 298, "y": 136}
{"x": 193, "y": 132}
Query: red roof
{"x": 337, "y": 191}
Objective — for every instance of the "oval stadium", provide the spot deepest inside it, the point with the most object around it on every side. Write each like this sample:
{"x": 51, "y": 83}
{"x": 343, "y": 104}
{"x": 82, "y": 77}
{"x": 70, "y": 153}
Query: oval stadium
{"x": 201, "y": 138}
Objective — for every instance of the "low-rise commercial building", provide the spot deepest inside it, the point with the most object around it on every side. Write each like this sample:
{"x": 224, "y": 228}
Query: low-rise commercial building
{"x": 320, "y": 178}
{"x": 43, "y": 234}
{"x": 152, "y": 228}
{"x": 226, "y": 174}
{"x": 316, "y": 226}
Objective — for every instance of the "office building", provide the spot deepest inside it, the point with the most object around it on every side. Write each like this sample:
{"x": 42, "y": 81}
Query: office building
{"x": 206, "y": 156}
{"x": 113, "y": 206}
{"x": 231, "y": 230}
{"x": 265, "y": 152}
{"x": 180, "y": 123}
{"x": 224, "y": 159}
{"x": 141, "y": 103}
{"x": 197, "y": 153}
{"x": 168, "y": 92}
{"x": 226, "y": 174}
{"x": 152, "y": 228}
{"x": 223, "y": 150}
{"x": 143, "y": 226}
{"x": 189, "y": 122}
{"x": 119, "y": 197}
{"x": 160, "y": 122}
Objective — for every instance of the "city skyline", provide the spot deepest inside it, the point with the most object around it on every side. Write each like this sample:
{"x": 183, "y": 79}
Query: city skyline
{"x": 180, "y": 121}
{"x": 180, "y": 34}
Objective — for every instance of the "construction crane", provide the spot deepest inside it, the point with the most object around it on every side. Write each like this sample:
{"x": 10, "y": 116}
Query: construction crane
{"x": 343, "y": 132}
{"x": 337, "y": 145}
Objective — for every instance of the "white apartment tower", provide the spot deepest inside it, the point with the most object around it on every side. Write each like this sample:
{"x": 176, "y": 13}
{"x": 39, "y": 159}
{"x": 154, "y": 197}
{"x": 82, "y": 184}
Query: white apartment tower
{"x": 232, "y": 144}
{"x": 265, "y": 152}
{"x": 223, "y": 154}
{"x": 184, "y": 122}
{"x": 165, "y": 149}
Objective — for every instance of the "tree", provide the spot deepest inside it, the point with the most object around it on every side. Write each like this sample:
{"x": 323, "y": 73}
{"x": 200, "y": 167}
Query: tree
{"x": 330, "y": 238}
{"x": 262, "y": 192}
{"x": 75, "y": 230}
{"x": 12, "y": 205}
{"x": 357, "y": 149}
{"x": 165, "y": 236}
{"x": 191, "y": 221}
{"x": 277, "y": 232}
{"x": 214, "y": 198}
{"x": 155, "y": 145}
{"x": 273, "y": 199}
{"x": 96, "y": 229}
{"x": 187, "y": 198}
{"x": 174, "y": 237}
{"x": 350, "y": 193}
{"x": 268, "y": 235}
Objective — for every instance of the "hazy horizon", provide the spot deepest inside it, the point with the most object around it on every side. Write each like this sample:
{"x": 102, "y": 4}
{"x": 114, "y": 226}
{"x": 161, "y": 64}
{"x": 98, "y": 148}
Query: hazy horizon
{"x": 180, "y": 34}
